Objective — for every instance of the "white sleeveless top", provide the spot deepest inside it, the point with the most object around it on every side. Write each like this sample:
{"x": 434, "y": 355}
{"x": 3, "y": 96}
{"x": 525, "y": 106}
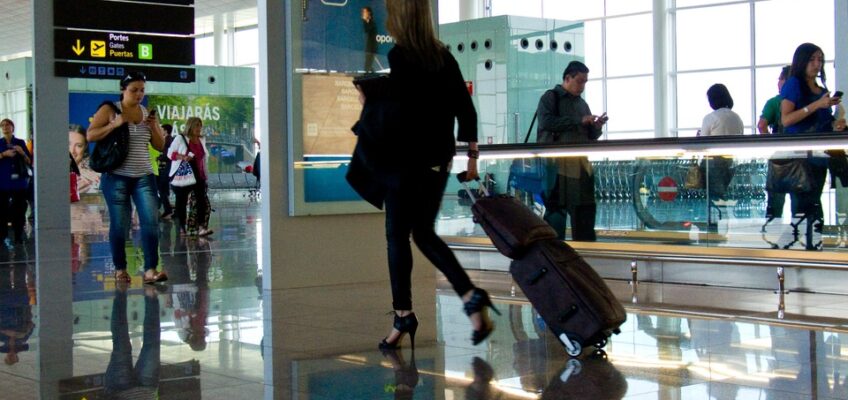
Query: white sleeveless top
{"x": 137, "y": 163}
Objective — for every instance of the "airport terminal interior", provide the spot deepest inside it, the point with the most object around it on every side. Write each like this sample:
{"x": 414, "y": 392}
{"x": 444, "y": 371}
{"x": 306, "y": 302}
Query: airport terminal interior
{"x": 731, "y": 291}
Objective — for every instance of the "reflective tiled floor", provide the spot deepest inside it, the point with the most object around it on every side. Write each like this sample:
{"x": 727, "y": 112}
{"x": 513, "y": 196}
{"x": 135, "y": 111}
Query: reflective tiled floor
{"x": 201, "y": 336}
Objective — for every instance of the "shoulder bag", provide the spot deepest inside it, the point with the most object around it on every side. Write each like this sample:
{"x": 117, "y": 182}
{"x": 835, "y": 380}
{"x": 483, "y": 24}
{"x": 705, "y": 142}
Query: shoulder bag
{"x": 185, "y": 174}
{"x": 789, "y": 175}
{"x": 110, "y": 152}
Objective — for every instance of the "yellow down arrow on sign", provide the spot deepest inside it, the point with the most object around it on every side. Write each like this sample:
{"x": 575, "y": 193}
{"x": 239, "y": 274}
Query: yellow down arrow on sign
{"x": 77, "y": 49}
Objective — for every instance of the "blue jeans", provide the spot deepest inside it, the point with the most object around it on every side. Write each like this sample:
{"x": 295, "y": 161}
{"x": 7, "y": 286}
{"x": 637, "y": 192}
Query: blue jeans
{"x": 118, "y": 191}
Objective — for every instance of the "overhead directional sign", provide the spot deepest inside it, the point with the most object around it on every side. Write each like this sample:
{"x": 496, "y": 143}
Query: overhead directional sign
{"x": 121, "y": 16}
{"x": 117, "y": 71}
{"x": 124, "y": 48}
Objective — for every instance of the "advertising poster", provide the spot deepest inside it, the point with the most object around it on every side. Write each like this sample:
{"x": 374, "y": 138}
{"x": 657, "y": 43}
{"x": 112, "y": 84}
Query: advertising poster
{"x": 228, "y": 124}
{"x": 330, "y": 108}
{"x": 341, "y": 36}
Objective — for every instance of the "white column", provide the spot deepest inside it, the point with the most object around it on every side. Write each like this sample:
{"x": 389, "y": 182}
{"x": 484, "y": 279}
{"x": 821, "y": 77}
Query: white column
{"x": 219, "y": 40}
{"x": 840, "y": 8}
{"x": 231, "y": 39}
{"x": 472, "y": 9}
{"x": 52, "y": 224}
{"x": 663, "y": 95}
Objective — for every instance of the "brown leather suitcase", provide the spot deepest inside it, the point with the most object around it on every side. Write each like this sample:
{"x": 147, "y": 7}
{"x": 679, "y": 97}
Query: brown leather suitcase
{"x": 572, "y": 299}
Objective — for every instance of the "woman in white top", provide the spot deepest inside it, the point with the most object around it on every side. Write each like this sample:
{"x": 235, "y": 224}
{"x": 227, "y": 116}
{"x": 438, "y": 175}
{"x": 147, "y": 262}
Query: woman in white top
{"x": 722, "y": 121}
{"x": 133, "y": 180}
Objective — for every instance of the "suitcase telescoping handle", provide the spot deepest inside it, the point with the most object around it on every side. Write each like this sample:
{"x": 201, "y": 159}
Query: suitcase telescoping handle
{"x": 462, "y": 177}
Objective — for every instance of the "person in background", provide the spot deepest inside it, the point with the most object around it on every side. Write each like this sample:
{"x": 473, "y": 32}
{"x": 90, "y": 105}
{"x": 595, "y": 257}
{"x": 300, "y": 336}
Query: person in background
{"x": 133, "y": 182}
{"x": 15, "y": 160}
{"x": 164, "y": 167}
{"x": 721, "y": 121}
{"x": 402, "y": 161}
{"x": 191, "y": 147}
{"x": 370, "y": 28}
{"x": 770, "y": 123}
{"x": 88, "y": 180}
{"x": 564, "y": 117}
{"x": 770, "y": 118}
{"x": 807, "y": 107}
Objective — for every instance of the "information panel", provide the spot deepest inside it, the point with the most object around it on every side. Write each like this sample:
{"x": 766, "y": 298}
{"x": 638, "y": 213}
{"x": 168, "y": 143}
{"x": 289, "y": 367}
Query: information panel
{"x": 123, "y": 16}
{"x": 123, "y": 48}
{"x": 116, "y": 71}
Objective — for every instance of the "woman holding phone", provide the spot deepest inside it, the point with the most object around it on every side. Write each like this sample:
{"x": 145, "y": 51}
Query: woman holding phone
{"x": 133, "y": 181}
{"x": 806, "y": 108}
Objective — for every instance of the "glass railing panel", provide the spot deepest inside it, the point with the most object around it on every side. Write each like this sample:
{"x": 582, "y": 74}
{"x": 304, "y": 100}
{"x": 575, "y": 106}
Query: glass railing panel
{"x": 646, "y": 192}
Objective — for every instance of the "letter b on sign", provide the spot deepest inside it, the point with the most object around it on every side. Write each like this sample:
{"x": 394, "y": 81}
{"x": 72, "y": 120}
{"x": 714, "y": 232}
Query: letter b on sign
{"x": 145, "y": 51}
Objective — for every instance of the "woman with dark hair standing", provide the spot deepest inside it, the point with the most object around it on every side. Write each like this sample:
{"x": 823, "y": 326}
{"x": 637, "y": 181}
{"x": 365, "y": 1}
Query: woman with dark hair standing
{"x": 806, "y": 107}
{"x": 722, "y": 121}
{"x": 14, "y": 180}
{"x": 133, "y": 180}
{"x": 406, "y": 141}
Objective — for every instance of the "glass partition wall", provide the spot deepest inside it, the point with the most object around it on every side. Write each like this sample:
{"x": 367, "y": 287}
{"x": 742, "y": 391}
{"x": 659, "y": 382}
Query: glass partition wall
{"x": 704, "y": 192}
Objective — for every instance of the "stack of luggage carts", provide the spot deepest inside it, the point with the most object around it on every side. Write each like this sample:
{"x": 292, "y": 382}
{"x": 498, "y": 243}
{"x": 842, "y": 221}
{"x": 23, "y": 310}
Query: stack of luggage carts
{"x": 568, "y": 294}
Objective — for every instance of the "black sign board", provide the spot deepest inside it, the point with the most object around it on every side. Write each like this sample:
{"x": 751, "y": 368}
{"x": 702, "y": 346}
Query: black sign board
{"x": 123, "y": 16}
{"x": 118, "y": 71}
{"x": 123, "y": 47}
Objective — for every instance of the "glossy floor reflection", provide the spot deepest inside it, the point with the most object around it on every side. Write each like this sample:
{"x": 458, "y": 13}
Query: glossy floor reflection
{"x": 201, "y": 335}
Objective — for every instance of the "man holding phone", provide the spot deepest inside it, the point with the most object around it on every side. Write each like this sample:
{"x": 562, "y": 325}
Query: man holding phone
{"x": 564, "y": 117}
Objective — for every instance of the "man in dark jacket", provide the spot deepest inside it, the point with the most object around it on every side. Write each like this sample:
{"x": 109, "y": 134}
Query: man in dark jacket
{"x": 564, "y": 117}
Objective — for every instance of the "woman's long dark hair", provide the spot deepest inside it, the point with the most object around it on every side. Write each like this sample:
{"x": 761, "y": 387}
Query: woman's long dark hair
{"x": 803, "y": 54}
{"x": 411, "y": 25}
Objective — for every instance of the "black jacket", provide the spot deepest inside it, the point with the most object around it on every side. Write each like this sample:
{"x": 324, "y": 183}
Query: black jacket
{"x": 411, "y": 128}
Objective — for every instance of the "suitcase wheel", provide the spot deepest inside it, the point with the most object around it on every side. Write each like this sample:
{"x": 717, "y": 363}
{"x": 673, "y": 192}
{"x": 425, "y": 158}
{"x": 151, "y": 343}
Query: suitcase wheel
{"x": 601, "y": 343}
{"x": 572, "y": 346}
{"x": 575, "y": 349}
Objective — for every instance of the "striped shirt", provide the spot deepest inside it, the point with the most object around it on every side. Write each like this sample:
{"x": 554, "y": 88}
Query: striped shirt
{"x": 137, "y": 163}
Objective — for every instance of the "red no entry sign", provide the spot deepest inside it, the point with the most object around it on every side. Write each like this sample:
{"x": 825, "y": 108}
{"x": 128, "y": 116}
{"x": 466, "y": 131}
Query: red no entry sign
{"x": 667, "y": 189}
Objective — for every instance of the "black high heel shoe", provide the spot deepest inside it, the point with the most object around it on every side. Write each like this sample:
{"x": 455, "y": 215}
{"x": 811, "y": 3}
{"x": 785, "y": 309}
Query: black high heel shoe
{"x": 477, "y": 304}
{"x": 407, "y": 324}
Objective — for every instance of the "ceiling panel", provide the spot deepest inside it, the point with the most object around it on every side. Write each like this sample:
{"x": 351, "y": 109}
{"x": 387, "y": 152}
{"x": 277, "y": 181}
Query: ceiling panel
{"x": 16, "y": 28}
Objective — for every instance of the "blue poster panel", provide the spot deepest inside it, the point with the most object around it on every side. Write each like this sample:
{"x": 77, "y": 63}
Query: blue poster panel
{"x": 345, "y": 35}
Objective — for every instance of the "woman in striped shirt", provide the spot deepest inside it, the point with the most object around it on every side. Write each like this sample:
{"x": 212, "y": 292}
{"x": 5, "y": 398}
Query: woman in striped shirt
{"x": 133, "y": 180}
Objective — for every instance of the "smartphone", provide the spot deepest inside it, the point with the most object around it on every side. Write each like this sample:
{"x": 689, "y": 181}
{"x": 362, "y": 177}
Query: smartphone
{"x": 837, "y": 93}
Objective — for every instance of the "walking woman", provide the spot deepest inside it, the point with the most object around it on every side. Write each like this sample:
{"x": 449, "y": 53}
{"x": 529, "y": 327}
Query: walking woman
{"x": 404, "y": 150}
{"x": 133, "y": 181}
{"x": 190, "y": 147}
{"x": 14, "y": 178}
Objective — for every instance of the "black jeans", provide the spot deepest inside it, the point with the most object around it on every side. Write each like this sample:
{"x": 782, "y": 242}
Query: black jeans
{"x": 411, "y": 209}
{"x": 573, "y": 198}
{"x": 201, "y": 203}
{"x": 163, "y": 183}
{"x": 13, "y": 207}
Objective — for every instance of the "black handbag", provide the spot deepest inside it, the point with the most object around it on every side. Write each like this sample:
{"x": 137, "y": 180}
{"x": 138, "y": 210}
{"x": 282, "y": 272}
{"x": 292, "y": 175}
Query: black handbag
{"x": 788, "y": 175}
{"x": 111, "y": 151}
{"x": 20, "y": 169}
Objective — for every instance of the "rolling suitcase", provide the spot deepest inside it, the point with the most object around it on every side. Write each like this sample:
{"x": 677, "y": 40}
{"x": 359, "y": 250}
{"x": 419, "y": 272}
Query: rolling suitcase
{"x": 510, "y": 225}
{"x": 572, "y": 299}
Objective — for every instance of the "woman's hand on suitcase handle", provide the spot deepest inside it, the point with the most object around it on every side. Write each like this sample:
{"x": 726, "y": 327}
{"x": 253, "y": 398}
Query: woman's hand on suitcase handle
{"x": 471, "y": 172}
